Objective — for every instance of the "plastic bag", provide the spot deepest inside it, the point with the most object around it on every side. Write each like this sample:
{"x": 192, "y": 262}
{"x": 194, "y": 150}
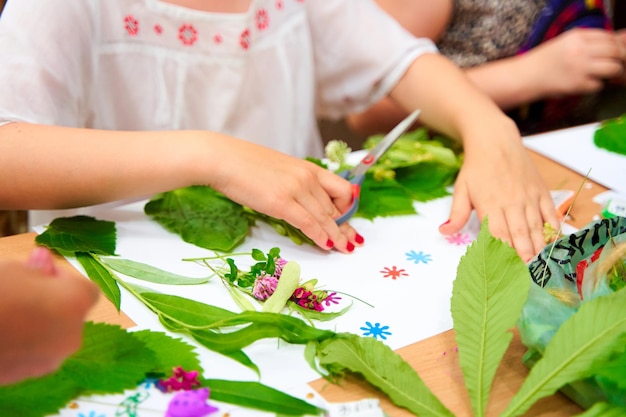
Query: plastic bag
{"x": 576, "y": 268}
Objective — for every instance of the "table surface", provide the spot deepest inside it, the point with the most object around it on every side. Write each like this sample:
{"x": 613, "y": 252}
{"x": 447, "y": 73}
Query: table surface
{"x": 435, "y": 358}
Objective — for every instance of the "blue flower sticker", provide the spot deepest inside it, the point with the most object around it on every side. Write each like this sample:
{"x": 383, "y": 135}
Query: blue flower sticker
{"x": 375, "y": 330}
{"x": 418, "y": 257}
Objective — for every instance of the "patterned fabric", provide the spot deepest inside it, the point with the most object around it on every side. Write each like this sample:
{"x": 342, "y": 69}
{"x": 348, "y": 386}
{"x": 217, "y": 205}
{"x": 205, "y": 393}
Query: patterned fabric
{"x": 557, "y": 17}
{"x": 486, "y": 30}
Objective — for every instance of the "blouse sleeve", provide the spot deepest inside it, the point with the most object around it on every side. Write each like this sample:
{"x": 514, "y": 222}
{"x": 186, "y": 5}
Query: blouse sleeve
{"x": 46, "y": 59}
{"x": 360, "y": 53}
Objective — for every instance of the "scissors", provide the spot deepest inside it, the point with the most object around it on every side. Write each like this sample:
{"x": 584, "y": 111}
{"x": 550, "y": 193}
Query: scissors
{"x": 356, "y": 175}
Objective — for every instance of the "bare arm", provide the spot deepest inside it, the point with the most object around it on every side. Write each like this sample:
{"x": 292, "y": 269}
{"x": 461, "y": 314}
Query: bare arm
{"x": 575, "y": 62}
{"x": 45, "y": 167}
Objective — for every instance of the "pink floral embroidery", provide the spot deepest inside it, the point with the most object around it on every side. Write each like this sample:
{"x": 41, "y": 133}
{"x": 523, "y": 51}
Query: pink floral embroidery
{"x": 187, "y": 34}
{"x": 279, "y": 4}
{"x": 262, "y": 19}
{"x": 158, "y": 29}
{"x": 131, "y": 25}
{"x": 217, "y": 38}
{"x": 459, "y": 239}
{"x": 244, "y": 39}
{"x": 393, "y": 273}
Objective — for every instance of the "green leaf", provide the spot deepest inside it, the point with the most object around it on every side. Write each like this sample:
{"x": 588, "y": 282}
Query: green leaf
{"x": 79, "y": 234}
{"x": 428, "y": 180}
{"x": 107, "y": 347}
{"x": 101, "y": 276}
{"x": 287, "y": 284}
{"x": 590, "y": 336}
{"x": 149, "y": 273}
{"x": 611, "y": 135}
{"x": 201, "y": 216}
{"x": 260, "y": 397}
{"x": 381, "y": 367}
{"x": 489, "y": 291}
{"x": 383, "y": 198}
{"x": 169, "y": 352}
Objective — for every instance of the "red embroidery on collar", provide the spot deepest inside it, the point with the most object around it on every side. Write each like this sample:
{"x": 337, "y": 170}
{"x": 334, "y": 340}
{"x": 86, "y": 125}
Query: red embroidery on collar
{"x": 244, "y": 39}
{"x": 158, "y": 29}
{"x": 217, "y": 38}
{"x": 131, "y": 25}
{"x": 262, "y": 19}
{"x": 187, "y": 34}
{"x": 279, "y": 4}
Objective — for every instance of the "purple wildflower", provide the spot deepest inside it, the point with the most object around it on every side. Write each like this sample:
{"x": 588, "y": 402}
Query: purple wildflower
{"x": 306, "y": 299}
{"x": 181, "y": 380}
{"x": 280, "y": 264}
{"x": 264, "y": 286}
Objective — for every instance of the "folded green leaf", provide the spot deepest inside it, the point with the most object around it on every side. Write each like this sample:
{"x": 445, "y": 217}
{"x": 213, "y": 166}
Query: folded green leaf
{"x": 149, "y": 273}
{"x": 287, "y": 284}
{"x": 381, "y": 367}
{"x": 589, "y": 336}
{"x": 488, "y": 294}
{"x": 101, "y": 276}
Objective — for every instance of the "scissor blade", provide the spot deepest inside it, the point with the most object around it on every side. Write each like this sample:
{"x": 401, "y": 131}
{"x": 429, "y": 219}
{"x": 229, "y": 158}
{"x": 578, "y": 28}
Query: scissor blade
{"x": 375, "y": 153}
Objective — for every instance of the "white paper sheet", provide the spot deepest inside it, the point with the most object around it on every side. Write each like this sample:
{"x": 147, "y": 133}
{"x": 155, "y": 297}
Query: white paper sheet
{"x": 574, "y": 148}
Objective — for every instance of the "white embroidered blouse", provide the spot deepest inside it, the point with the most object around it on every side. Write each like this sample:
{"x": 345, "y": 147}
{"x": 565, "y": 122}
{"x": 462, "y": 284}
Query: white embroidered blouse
{"x": 264, "y": 75}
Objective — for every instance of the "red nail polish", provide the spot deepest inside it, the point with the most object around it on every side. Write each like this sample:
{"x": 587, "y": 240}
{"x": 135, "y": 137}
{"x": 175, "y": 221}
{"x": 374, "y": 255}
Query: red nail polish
{"x": 359, "y": 239}
{"x": 350, "y": 247}
{"x": 443, "y": 224}
{"x": 330, "y": 244}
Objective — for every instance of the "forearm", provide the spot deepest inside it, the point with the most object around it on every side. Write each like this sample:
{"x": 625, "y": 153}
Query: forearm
{"x": 510, "y": 82}
{"x": 450, "y": 102}
{"x": 45, "y": 167}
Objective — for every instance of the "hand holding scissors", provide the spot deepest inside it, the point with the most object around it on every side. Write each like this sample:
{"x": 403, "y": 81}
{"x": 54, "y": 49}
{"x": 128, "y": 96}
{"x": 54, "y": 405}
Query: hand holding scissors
{"x": 356, "y": 175}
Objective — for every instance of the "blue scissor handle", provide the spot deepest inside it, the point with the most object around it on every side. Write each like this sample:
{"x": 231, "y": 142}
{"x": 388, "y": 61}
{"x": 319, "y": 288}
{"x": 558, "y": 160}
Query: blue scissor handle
{"x": 356, "y": 182}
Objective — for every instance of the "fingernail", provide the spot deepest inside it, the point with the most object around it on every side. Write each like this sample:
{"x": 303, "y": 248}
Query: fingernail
{"x": 446, "y": 222}
{"x": 350, "y": 247}
{"x": 359, "y": 239}
{"x": 329, "y": 244}
{"x": 41, "y": 258}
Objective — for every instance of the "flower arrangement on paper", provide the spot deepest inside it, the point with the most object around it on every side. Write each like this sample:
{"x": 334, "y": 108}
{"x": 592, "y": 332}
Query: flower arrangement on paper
{"x": 273, "y": 283}
{"x": 416, "y": 168}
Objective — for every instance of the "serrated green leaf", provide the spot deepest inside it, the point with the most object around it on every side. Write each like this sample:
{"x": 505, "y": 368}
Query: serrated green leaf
{"x": 383, "y": 368}
{"x": 169, "y": 352}
{"x": 591, "y": 335}
{"x": 150, "y": 273}
{"x": 489, "y": 291}
{"x": 101, "y": 276}
{"x": 107, "y": 347}
{"x": 79, "y": 234}
{"x": 383, "y": 198}
{"x": 200, "y": 216}
{"x": 259, "y": 397}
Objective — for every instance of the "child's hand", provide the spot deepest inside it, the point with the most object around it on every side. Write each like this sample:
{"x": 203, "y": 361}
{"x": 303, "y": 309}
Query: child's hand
{"x": 42, "y": 311}
{"x": 500, "y": 181}
{"x": 578, "y": 61}
{"x": 303, "y": 194}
